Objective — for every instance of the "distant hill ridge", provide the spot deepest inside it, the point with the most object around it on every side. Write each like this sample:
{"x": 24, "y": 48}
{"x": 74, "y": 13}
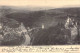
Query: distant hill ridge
{"x": 50, "y": 17}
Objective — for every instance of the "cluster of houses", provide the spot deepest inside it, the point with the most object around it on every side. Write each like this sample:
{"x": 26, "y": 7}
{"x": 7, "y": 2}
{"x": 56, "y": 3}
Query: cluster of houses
{"x": 13, "y": 32}
{"x": 72, "y": 25}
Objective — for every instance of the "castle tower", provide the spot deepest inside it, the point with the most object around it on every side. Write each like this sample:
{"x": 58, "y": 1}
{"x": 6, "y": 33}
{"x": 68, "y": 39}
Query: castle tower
{"x": 42, "y": 26}
{"x": 67, "y": 23}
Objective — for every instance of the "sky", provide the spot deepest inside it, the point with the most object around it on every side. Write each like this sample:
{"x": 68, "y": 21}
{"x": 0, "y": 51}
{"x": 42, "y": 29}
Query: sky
{"x": 41, "y": 3}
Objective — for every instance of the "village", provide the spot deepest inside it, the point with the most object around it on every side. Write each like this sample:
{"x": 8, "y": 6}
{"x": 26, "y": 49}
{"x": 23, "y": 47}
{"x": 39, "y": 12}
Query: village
{"x": 24, "y": 36}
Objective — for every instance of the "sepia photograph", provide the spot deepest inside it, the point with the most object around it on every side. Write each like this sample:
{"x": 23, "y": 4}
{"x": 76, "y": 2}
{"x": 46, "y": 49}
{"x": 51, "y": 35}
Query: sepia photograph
{"x": 39, "y": 23}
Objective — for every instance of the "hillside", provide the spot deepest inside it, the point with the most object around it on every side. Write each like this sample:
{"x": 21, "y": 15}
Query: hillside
{"x": 52, "y": 19}
{"x": 48, "y": 17}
